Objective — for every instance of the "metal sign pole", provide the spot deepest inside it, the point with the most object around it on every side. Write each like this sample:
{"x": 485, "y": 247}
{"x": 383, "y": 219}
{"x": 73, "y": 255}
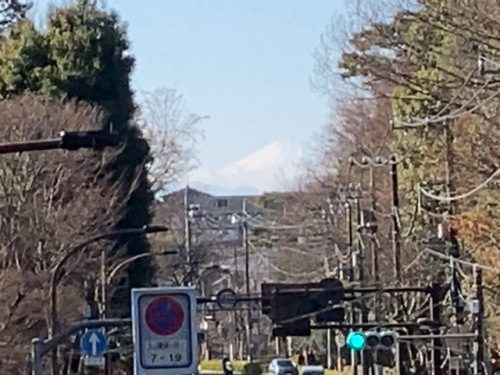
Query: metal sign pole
{"x": 36, "y": 357}
{"x": 41, "y": 347}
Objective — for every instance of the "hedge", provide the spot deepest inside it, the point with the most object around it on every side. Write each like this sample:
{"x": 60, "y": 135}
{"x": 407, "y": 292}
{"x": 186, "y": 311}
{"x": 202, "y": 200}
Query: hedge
{"x": 258, "y": 367}
{"x": 216, "y": 365}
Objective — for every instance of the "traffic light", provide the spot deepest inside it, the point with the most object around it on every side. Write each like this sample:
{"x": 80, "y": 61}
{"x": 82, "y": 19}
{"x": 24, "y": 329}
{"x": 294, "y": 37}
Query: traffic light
{"x": 282, "y": 302}
{"x": 95, "y": 139}
{"x": 358, "y": 340}
{"x": 291, "y": 306}
{"x": 300, "y": 327}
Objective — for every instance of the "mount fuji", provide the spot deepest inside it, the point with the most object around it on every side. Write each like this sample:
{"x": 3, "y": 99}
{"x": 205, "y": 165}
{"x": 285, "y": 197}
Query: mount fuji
{"x": 274, "y": 167}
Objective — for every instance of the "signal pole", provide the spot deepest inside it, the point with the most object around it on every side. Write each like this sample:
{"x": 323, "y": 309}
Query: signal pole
{"x": 435, "y": 309}
{"x": 396, "y": 230}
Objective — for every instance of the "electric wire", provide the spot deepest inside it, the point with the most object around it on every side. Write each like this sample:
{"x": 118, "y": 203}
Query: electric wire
{"x": 278, "y": 269}
{"x": 417, "y": 123}
{"x": 456, "y": 260}
{"x": 461, "y": 196}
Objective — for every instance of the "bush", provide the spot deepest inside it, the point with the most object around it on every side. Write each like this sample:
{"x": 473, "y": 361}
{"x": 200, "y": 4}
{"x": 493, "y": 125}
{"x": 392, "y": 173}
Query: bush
{"x": 254, "y": 368}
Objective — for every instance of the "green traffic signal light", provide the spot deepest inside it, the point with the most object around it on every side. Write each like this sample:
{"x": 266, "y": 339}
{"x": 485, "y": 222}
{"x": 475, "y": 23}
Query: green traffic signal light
{"x": 356, "y": 341}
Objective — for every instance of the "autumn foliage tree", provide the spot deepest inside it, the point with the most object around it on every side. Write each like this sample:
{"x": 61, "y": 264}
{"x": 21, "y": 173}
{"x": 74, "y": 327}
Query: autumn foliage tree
{"x": 431, "y": 67}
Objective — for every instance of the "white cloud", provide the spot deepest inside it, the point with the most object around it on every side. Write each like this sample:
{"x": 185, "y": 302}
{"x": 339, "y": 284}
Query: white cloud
{"x": 269, "y": 168}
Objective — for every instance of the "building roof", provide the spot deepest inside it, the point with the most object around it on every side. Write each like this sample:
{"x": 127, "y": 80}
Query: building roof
{"x": 214, "y": 204}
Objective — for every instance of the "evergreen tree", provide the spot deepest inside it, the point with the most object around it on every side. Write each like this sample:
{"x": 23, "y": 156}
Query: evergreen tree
{"x": 88, "y": 47}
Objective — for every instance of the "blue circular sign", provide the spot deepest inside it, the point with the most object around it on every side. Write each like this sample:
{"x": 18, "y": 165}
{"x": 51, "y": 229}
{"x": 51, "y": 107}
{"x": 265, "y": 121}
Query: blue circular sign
{"x": 93, "y": 343}
{"x": 164, "y": 316}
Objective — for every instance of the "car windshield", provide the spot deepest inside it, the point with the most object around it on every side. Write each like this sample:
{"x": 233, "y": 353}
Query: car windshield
{"x": 285, "y": 363}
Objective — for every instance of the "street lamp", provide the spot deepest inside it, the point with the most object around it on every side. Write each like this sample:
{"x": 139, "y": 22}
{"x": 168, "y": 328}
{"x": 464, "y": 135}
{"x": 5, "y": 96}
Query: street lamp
{"x": 55, "y": 277}
{"x": 131, "y": 259}
{"x": 226, "y": 270}
{"x": 106, "y": 280}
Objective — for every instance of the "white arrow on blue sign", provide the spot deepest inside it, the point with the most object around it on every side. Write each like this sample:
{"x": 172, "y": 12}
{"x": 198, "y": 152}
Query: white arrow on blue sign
{"x": 93, "y": 343}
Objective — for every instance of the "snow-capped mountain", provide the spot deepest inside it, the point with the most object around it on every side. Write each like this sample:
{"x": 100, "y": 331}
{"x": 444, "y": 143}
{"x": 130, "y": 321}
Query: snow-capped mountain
{"x": 270, "y": 168}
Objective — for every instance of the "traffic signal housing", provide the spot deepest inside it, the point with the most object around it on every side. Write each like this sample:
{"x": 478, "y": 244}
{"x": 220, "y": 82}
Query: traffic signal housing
{"x": 300, "y": 327}
{"x": 371, "y": 340}
{"x": 291, "y": 306}
{"x": 95, "y": 139}
{"x": 282, "y": 302}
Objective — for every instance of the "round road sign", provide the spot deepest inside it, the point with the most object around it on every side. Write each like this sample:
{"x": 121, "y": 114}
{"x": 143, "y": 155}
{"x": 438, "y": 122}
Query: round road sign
{"x": 227, "y": 299}
{"x": 164, "y": 316}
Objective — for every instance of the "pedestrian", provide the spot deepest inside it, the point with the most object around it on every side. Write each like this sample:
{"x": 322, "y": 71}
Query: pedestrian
{"x": 302, "y": 360}
{"x": 311, "y": 358}
{"x": 227, "y": 366}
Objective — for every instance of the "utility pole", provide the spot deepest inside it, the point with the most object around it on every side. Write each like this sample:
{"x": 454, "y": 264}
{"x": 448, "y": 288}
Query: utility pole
{"x": 354, "y": 195}
{"x": 244, "y": 224}
{"x": 396, "y": 229}
{"x": 372, "y": 359}
{"x": 435, "y": 309}
{"x": 396, "y": 241}
{"x": 348, "y": 218}
{"x": 187, "y": 235}
{"x": 362, "y": 312}
{"x": 373, "y": 243}
{"x": 375, "y": 269}
{"x": 450, "y": 165}
{"x": 104, "y": 302}
{"x": 478, "y": 313}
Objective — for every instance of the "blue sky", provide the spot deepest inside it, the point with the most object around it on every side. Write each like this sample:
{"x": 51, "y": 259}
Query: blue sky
{"x": 246, "y": 64}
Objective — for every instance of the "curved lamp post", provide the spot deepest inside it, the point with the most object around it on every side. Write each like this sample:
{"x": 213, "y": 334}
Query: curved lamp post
{"x": 107, "y": 281}
{"x": 216, "y": 267}
{"x": 220, "y": 269}
{"x": 55, "y": 277}
{"x": 123, "y": 263}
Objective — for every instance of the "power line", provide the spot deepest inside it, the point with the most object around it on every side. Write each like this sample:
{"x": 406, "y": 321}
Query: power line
{"x": 456, "y": 260}
{"x": 461, "y": 196}
{"x": 418, "y": 123}
{"x": 280, "y": 270}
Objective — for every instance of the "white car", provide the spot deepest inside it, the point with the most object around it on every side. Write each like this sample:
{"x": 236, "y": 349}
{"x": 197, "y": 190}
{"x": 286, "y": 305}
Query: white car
{"x": 282, "y": 366}
{"x": 312, "y": 370}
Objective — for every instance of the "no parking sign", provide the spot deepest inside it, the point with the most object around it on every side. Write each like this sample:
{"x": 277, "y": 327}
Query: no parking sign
{"x": 165, "y": 331}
